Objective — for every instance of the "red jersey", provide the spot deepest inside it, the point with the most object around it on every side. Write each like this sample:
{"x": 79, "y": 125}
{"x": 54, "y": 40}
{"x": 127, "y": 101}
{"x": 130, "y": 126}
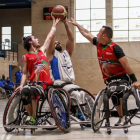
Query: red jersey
{"x": 109, "y": 64}
{"x": 38, "y": 67}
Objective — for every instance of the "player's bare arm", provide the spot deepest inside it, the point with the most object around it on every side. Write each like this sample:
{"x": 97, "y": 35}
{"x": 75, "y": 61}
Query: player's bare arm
{"x": 83, "y": 31}
{"x": 50, "y": 35}
{"x": 128, "y": 69}
{"x": 70, "y": 42}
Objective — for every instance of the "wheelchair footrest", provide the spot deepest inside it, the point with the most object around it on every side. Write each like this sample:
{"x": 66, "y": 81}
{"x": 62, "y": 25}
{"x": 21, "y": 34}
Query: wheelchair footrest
{"x": 115, "y": 113}
{"x": 81, "y": 122}
{"x": 120, "y": 127}
{"x": 30, "y": 126}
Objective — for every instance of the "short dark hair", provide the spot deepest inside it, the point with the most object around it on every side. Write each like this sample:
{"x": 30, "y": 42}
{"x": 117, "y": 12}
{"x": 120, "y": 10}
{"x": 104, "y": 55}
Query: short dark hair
{"x": 26, "y": 43}
{"x": 108, "y": 31}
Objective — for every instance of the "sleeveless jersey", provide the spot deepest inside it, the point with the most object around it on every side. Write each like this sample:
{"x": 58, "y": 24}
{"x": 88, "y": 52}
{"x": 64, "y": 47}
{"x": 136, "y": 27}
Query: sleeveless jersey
{"x": 62, "y": 68}
{"x": 109, "y": 64}
{"x": 38, "y": 67}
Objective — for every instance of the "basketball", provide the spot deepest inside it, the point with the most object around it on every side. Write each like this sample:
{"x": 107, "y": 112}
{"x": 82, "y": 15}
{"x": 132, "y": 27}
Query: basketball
{"x": 59, "y": 11}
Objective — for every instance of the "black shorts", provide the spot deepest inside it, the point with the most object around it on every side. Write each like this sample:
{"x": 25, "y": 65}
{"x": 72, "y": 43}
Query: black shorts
{"x": 117, "y": 86}
{"x": 29, "y": 93}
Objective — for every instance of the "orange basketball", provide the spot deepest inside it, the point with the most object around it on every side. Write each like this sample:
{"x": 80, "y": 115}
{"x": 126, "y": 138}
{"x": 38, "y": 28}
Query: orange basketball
{"x": 59, "y": 11}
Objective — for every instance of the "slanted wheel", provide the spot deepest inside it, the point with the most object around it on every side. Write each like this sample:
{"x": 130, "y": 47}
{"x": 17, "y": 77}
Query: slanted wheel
{"x": 11, "y": 111}
{"x": 66, "y": 97}
{"x": 88, "y": 106}
{"x": 59, "y": 109}
{"x": 2, "y": 93}
{"x": 85, "y": 108}
{"x": 98, "y": 112}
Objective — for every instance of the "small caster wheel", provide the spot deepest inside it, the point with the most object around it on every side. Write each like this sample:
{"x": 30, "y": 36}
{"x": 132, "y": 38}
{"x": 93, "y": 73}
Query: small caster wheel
{"x": 82, "y": 127}
{"x": 109, "y": 131}
{"x": 17, "y": 131}
{"x": 32, "y": 131}
{"x": 126, "y": 130}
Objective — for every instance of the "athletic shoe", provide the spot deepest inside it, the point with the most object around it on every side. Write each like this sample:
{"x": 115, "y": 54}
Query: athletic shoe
{"x": 119, "y": 121}
{"x": 124, "y": 121}
{"x": 31, "y": 121}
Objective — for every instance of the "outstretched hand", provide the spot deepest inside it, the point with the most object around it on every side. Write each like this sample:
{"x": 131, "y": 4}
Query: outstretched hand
{"x": 55, "y": 21}
{"x": 136, "y": 84}
{"x": 73, "y": 22}
{"x": 65, "y": 20}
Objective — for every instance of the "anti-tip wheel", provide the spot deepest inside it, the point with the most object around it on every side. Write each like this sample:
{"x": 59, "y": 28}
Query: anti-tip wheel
{"x": 32, "y": 131}
{"x": 82, "y": 127}
{"x": 126, "y": 130}
{"x": 109, "y": 131}
{"x": 17, "y": 131}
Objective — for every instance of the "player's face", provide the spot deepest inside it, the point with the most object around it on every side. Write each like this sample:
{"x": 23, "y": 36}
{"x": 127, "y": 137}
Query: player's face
{"x": 100, "y": 35}
{"x": 35, "y": 42}
{"x": 58, "y": 46}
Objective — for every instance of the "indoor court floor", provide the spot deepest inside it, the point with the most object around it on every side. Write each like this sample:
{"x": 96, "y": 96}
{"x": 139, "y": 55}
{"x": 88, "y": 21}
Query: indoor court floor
{"x": 75, "y": 134}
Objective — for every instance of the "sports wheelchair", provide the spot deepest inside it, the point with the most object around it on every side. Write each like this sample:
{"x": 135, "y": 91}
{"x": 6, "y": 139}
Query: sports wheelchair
{"x": 2, "y": 93}
{"x": 84, "y": 110}
{"x": 52, "y": 111}
{"x": 5, "y": 93}
{"x": 98, "y": 114}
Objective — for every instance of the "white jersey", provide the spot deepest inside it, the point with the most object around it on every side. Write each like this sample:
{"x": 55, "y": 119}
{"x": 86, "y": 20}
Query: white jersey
{"x": 62, "y": 68}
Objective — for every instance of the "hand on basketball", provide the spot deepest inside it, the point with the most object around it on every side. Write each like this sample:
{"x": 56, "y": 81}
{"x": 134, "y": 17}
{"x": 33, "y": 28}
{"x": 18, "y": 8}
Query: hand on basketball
{"x": 136, "y": 84}
{"x": 59, "y": 11}
{"x": 73, "y": 22}
{"x": 65, "y": 20}
{"x": 55, "y": 21}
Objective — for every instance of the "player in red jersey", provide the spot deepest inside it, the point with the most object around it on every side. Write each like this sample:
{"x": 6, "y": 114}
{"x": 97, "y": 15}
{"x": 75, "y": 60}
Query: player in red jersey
{"x": 114, "y": 67}
{"x": 37, "y": 64}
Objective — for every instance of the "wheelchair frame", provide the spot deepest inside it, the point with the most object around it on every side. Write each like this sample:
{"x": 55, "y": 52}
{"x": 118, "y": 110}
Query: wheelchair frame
{"x": 86, "y": 114}
{"x": 98, "y": 119}
{"x": 5, "y": 93}
{"x": 2, "y": 93}
{"x": 42, "y": 115}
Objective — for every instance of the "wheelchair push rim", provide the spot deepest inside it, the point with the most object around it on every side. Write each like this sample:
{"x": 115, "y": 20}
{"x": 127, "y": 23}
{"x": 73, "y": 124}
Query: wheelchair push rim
{"x": 59, "y": 110}
{"x": 84, "y": 109}
{"x": 66, "y": 97}
{"x": 12, "y": 104}
{"x": 97, "y": 117}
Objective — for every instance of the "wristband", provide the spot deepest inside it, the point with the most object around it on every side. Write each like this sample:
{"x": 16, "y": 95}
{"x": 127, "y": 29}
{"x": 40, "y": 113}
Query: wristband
{"x": 54, "y": 28}
{"x": 133, "y": 78}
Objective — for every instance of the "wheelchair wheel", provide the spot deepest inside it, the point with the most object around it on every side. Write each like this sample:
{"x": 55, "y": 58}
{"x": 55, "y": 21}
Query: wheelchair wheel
{"x": 45, "y": 112}
{"x": 66, "y": 97}
{"x": 137, "y": 97}
{"x": 2, "y": 93}
{"x": 11, "y": 116}
{"x": 85, "y": 109}
{"x": 59, "y": 109}
{"x": 89, "y": 103}
{"x": 97, "y": 117}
